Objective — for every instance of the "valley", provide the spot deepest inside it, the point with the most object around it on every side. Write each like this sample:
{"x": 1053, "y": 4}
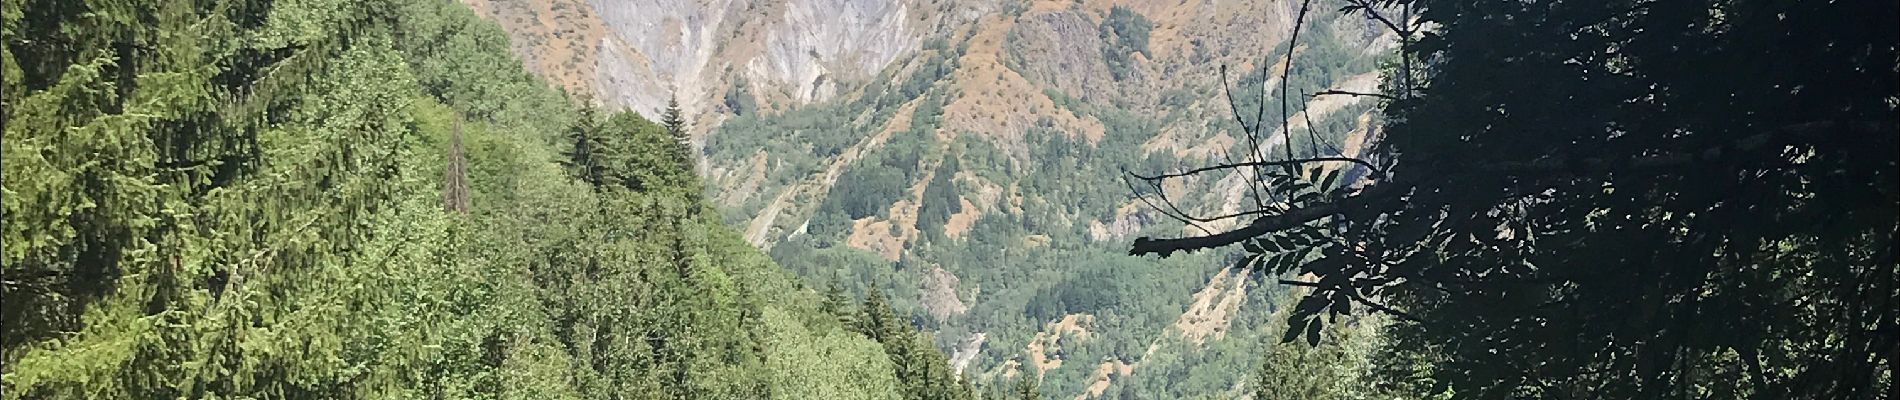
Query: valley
{"x": 949, "y": 199}
{"x": 982, "y": 143}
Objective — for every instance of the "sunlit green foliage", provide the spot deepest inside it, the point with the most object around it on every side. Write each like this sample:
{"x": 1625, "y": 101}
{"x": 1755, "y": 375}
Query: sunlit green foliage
{"x": 244, "y": 199}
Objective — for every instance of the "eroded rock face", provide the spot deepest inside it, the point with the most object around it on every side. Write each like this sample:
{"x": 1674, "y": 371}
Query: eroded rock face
{"x": 789, "y": 52}
{"x": 940, "y": 298}
{"x": 655, "y": 48}
{"x": 817, "y": 42}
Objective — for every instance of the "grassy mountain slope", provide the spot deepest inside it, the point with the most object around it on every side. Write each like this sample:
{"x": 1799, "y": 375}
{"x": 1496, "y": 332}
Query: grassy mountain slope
{"x": 977, "y": 176}
{"x": 995, "y": 209}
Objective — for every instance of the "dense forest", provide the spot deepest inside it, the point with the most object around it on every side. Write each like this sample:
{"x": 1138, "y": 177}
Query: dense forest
{"x": 314, "y": 199}
{"x": 371, "y": 199}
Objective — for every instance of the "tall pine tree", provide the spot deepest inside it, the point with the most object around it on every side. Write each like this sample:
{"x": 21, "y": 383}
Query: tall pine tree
{"x": 676, "y": 128}
{"x": 455, "y": 174}
{"x": 837, "y": 304}
{"x": 1027, "y": 388}
{"x": 588, "y": 152}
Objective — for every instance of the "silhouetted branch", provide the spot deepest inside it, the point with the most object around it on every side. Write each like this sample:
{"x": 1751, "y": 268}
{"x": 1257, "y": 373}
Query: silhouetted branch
{"x": 1286, "y": 75}
{"x": 1172, "y": 211}
{"x": 1354, "y": 94}
{"x": 1251, "y": 132}
{"x": 1375, "y": 194}
{"x": 1234, "y": 104}
{"x": 1263, "y": 225}
{"x": 1364, "y": 163}
{"x": 1372, "y": 12}
{"x": 1357, "y": 298}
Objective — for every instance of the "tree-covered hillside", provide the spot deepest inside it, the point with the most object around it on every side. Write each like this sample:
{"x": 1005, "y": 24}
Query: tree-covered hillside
{"x": 371, "y": 199}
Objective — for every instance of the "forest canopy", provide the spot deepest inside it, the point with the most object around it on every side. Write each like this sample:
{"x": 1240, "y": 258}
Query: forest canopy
{"x": 372, "y": 199}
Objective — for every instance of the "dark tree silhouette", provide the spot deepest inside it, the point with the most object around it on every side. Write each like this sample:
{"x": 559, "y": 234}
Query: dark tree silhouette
{"x": 1606, "y": 199}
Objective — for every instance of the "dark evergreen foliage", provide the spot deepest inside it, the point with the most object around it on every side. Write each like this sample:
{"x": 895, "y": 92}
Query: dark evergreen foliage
{"x": 1621, "y": 199}
{"x": 1124, "y": 33}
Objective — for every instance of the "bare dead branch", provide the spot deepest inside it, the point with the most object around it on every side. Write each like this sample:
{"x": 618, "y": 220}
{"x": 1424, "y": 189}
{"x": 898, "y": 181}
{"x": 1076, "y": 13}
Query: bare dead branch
{"x": 1286, "y": 74}
{"x": 1373, "y": 12}
{"x": 1252, "y": 137}
{"x": 1354, "y": 94}
{"x": 1175, "y": 214}
{"x": 1265, "y": 224}
{"x": 1380, "y": 195}
{"x": 1375, "y": 169}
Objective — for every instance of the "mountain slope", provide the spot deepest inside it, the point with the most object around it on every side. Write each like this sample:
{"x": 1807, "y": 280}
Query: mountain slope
{"x": 967, "y": 160}
{"x": 372, "y": 199}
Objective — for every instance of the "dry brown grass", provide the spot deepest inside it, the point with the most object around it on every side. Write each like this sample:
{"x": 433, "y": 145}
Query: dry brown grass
{"x": 558, "y": 43}
{"x": 1049, "y": 341}
{"x": 1214, "y": 307}
{"x": 961, "y": 222}
{"x": 995, "y": 97}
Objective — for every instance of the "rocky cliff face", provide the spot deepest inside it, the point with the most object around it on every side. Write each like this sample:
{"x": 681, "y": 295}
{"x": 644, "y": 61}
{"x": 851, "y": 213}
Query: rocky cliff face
{"x": 818, "y": 42}
{"x": 635, "y": 54}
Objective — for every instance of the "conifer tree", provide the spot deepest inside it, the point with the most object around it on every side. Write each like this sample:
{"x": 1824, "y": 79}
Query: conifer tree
{"x": 455, "y": 174}
{"x": 877, "y": 320}
{"x": 837, "y": 304}
{"x": 587, "y": 158}
{"x": 676, "y": 128}
{"x": 1027, "y": 388}
{"x": 923, "y": 372}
